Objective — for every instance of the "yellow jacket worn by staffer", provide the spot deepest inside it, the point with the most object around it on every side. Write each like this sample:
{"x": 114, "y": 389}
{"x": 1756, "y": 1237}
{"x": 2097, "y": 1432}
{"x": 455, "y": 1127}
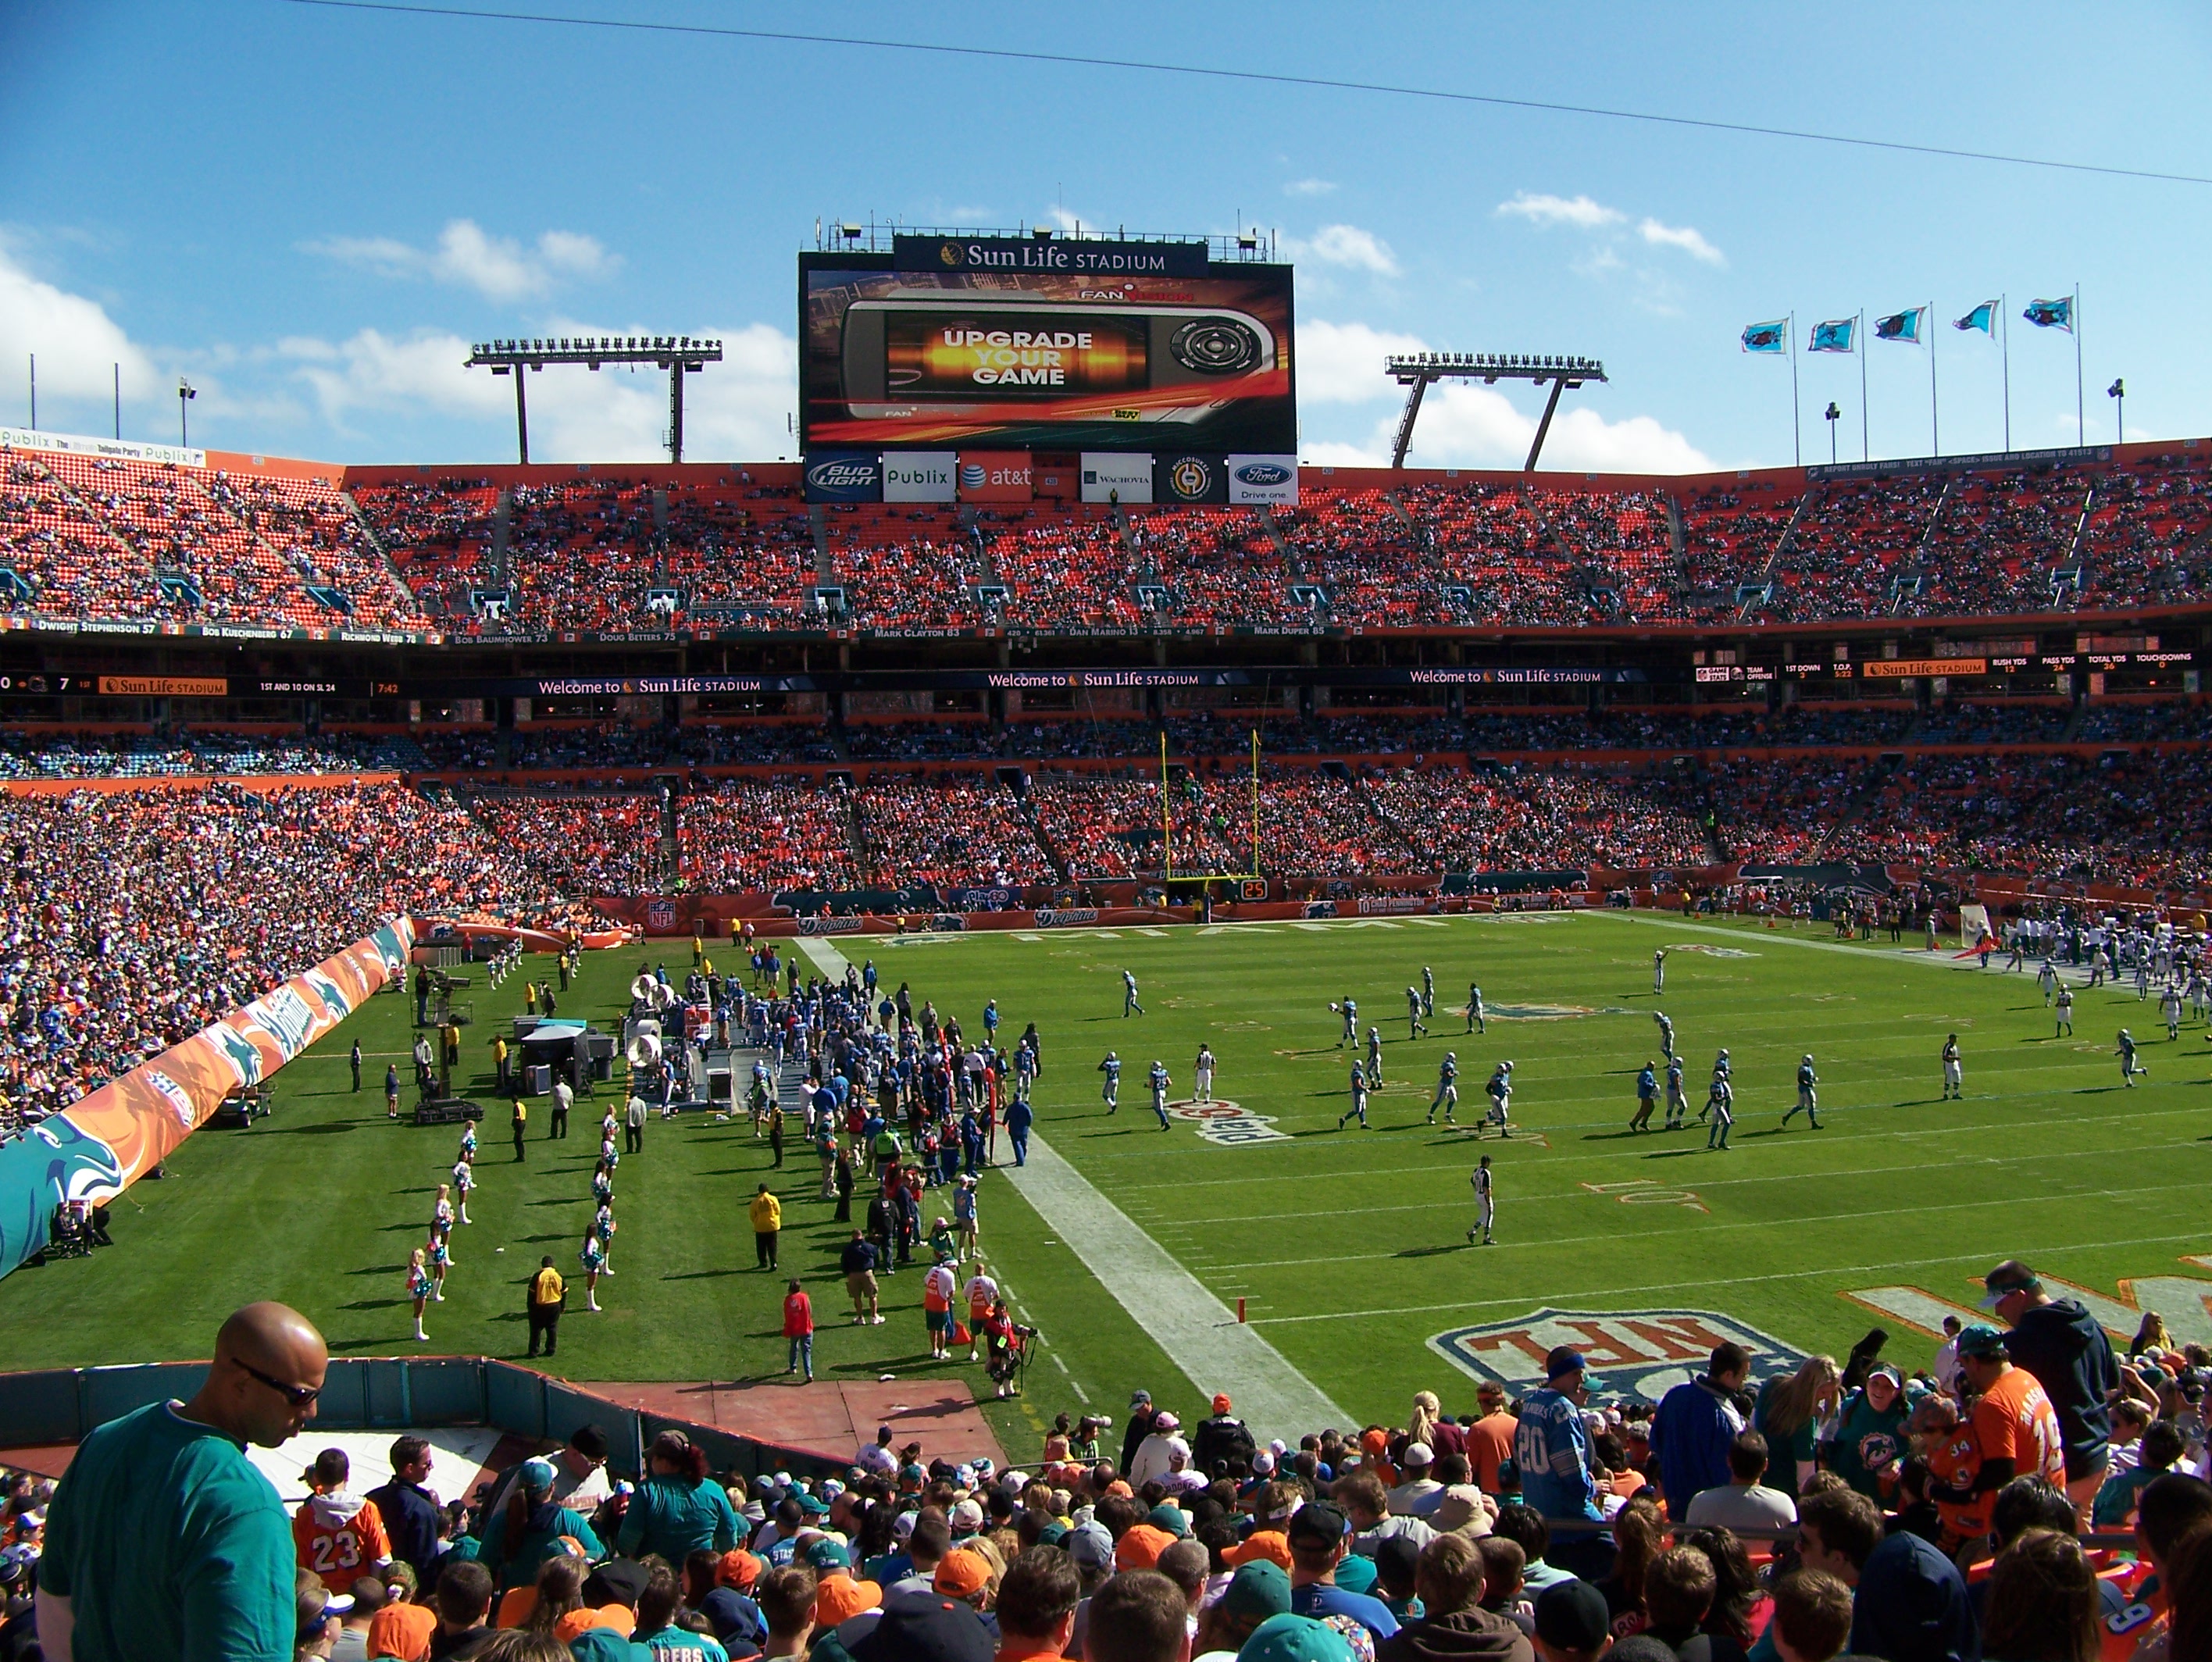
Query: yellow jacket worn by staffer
{"x": 546, "y": 1288}
{"x": 767, "y": 1214}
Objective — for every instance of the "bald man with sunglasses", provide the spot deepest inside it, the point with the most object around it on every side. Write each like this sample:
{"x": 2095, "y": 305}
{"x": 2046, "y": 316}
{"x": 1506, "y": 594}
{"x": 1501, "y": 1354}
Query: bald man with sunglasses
{"x": 164, "y": 1544}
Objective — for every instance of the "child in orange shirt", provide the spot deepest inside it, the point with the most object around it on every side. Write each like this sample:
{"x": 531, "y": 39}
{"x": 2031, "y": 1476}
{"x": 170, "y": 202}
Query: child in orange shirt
{"x": 1947, "y": 1445}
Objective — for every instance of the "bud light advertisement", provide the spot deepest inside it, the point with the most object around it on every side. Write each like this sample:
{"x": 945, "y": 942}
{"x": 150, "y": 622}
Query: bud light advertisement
{"x": 844, "y": 475}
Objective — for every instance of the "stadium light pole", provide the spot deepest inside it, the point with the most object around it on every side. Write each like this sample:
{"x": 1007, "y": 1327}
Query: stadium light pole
{"x": 1834, "y": 415}
{"x": 679, "y": 355}
{"x": 1417, "y": 371}
{"x": 185, "y": 393}
{"x": 2117, "y": 392}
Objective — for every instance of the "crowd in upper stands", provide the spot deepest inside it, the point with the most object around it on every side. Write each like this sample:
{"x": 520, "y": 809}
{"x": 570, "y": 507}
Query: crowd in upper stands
{"x": 100, "y": 538}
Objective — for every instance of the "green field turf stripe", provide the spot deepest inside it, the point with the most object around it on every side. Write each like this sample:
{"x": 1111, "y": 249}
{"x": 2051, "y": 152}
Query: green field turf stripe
{"x": 1682, "y": 1231}
{"x": 1533, "y": 1295}
{"x": 1200, "y": 1333}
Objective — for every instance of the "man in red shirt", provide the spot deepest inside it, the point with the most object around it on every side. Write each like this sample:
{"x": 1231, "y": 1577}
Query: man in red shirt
{"x": 799, "y": 1328}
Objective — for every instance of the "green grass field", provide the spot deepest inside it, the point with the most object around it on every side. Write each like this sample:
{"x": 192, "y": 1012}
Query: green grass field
{"x": 1349, "y": 1249}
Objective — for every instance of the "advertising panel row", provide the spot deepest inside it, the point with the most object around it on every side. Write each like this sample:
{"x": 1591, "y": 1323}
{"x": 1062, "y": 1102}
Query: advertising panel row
{"x": 1134, "y": 478}
{"x": 94, "y": 1149}
{"x": 1061, "y": 344}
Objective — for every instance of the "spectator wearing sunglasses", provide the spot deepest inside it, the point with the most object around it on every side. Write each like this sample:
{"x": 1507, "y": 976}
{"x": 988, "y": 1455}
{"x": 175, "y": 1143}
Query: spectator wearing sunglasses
{"x": 163, "y": 1540}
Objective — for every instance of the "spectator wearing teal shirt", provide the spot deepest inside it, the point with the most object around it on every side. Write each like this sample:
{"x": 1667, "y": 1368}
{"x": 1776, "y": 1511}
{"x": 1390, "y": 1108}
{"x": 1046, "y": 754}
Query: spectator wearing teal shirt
{"x": 163, "y": 1540}
{"x": 676, "y": 1510}
{"x": 528, "y": 1531}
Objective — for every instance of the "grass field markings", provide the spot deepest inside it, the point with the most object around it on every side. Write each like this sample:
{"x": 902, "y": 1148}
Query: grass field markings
{"x": 1198, "y": 1332}
{"x": 1694, "y": 1230}
{"x": 1948, "y": 1129}
{"x": 1538, "y": 1297}
{"x": 1583, "y": 1190}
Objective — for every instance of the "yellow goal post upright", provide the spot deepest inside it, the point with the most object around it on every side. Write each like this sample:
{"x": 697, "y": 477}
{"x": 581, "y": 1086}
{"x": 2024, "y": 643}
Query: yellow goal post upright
{"x": 1167, "y": 823}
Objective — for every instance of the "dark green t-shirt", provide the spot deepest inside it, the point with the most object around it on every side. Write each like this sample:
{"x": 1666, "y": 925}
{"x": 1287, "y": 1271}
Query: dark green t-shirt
{"x": 1867, "y": 1440}
{"x": 169, "y": 1545}
{"x": 1783, "y": 1453}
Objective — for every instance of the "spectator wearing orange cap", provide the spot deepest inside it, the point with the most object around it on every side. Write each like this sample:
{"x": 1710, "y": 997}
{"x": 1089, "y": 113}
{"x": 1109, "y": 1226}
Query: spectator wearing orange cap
{"x": 1140, "y": 1546}
{"x": 838, "y": 1596}
{"x": 1220, "y": 1441}
{"x": 719, "y": 1585}
{"x": 965, "y": 1575}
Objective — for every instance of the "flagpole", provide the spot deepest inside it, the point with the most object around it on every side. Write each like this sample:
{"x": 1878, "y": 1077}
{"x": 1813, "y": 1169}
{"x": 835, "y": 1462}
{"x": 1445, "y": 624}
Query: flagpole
{"x": 1935, "y": 431}
{"x": 1858, "y": 339}
{"x": 2080, "y": 420}
{"x": 2004, "y": 306}
{"x": 1796, "y": 439}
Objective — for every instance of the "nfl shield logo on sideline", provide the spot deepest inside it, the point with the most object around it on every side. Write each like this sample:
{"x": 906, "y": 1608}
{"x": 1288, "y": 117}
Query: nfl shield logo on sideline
{"x": 1637, "y": 1353}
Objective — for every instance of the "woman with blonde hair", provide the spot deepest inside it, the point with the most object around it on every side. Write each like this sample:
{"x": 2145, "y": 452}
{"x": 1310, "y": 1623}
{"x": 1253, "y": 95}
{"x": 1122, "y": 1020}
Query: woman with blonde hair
{"x": 1788, "y": 1415}
{"x": 1422, "y": 1427}
{"x": 2151, "y": 1338}
{"x": 419, "y": 1289}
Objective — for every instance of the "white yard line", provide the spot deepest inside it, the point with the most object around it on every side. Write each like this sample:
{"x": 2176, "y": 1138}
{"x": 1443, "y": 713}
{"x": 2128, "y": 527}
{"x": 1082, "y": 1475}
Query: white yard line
{"x": 1201, "y": 1334}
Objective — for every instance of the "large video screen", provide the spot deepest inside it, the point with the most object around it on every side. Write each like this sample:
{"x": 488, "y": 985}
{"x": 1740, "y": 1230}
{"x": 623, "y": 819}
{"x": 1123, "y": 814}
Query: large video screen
{"x": 1044, "y": 360}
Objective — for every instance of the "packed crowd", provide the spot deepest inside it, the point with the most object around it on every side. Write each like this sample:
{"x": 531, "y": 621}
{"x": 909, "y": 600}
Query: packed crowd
{"x": 2026, "y": 1494}
{"x": 953, "y": 830}
{"x": 1524, "y": 820}
{"x": 101, "y": 538}
{"x": 230, "y": 892}
{"x": 49, "y": 754}
{"x": 583, "y": 844}
{"x": 768, "y": 833}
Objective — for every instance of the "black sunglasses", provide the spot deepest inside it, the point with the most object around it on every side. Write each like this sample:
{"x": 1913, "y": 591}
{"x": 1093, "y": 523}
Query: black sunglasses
{"x": 300, "y": 1396}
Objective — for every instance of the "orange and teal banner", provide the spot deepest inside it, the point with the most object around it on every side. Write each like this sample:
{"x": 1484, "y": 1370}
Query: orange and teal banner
{"x": 96, "y": 1149}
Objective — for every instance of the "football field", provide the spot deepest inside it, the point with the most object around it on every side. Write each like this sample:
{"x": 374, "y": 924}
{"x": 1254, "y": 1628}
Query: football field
{"x": 1130, "y": 1247}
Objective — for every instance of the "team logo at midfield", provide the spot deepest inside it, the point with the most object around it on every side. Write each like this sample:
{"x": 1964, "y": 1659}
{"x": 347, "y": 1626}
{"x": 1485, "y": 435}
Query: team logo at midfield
{"x": 1227, "y": 1123}
{"x": 1636, "y": 1353}
{"x": 1540, "y": 1012}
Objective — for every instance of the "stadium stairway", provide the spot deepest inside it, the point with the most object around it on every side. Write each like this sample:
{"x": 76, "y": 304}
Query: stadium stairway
{"x": 405, "y": 597}
{"x": 502, "y": 522}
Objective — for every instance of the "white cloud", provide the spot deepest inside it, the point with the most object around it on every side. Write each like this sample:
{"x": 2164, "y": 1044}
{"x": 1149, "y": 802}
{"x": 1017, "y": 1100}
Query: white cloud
{"x": 1342, "y": 362}
{"x": 1347, "y": 245}
{"x": 1578, "y": 211}
{"x": 1685, "y": 238}
{"x": 1309, "y": 187}
{"x": 733, "y": 409}
{"x": 498, "y": 268}
{"x": 1464, "y": 426}
{"x": 76, "y": 342}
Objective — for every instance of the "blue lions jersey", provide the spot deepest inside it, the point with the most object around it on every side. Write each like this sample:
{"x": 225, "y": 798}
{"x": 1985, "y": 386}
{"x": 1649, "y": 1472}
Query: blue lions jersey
{"x": 1553, "y": 1452}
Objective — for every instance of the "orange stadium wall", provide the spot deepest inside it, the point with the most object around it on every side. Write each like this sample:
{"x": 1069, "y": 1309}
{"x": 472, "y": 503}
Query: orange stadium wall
{"x": 96, "y": 1149}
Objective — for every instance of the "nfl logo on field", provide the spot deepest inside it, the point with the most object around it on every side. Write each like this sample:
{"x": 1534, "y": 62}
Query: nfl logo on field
{"x": 1636, "y": 1353}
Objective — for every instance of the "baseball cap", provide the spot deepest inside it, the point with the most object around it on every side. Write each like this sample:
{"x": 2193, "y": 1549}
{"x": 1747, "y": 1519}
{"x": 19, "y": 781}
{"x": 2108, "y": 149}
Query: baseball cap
{"x": 617, "y": 1581}
{"x": 1289, "y": 1638}
{"x": 1090, "y": 1546}
{"x": 1419, "y": 1454}
{"x": 1221, "y": 1402}
{"x": 1260, "y": 1588}
{"x": 1886, "y": 1372}
{"x": 1166, "y": 1422}
{"x": 961, "y": 1573}
{"x": 839, "y": 1598}
{"x": 536, "y": 1475}
{"x": 1268, "y": 1546}
{"x": 1317, "y": 1524}
{"x": 966, "y": 1517}
{"x": 1169, "y": 1516}
{"x": 2010, "y": 1277}
{"x": 826, "y": 1553}
{"x": 1140, "y": 1547}
{"x": 590, "y": 1441}
{"x": 1572, "y": 1616}
{"x": 1982, "y": 1341}
{"x": 1141, "y": 1400}
{"x": 1396, "y": 1553}
{"x": 922, "y": 1627}
{"x": 737, "y": 1569}
{"x": 1263, "y": 1463}
{"x": 602, "y": 1644}
{"x": 902, "y": 1525}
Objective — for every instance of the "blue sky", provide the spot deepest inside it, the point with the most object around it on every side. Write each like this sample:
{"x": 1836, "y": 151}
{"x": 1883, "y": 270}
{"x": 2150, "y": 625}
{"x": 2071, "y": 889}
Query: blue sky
{"x": 308, "y": 212}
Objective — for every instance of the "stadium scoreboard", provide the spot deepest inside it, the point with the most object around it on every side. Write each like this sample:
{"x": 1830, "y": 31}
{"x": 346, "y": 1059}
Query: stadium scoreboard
{"x": 997, "y": 368}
